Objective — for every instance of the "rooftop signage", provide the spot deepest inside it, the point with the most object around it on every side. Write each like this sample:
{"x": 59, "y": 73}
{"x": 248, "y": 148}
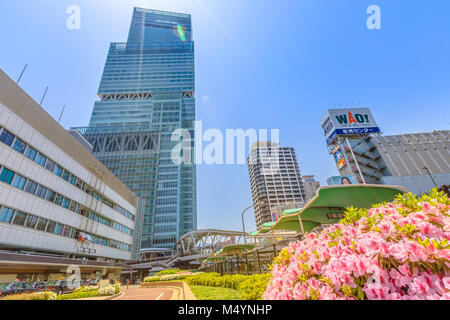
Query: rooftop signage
{"x": 348, "y": 122}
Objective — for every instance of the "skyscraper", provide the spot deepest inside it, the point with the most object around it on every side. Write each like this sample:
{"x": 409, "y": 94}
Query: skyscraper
{"x": 311, "y": 185}
{"x": 275, "y": 180}
{"x": 147, "y": 92}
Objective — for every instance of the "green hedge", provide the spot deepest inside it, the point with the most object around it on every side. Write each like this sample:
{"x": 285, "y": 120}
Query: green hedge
{"x": 47, "y": 295}
{"x": 78, "y": 295}
{"x": 252, "y": 287}
{"x": 169, "y": 271}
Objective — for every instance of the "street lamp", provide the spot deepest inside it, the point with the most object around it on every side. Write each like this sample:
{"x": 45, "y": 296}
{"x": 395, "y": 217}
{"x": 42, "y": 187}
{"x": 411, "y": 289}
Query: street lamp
{"x": 243, "y": 224}
{"x": 426, "y": 169}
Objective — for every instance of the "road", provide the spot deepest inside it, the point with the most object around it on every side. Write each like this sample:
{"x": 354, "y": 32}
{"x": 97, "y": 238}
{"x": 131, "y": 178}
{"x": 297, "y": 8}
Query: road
{"x": 136, "y": 293}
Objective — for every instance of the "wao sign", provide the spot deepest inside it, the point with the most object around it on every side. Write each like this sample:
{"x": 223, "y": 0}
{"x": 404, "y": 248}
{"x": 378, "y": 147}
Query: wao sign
{"x": 348, "y": 122}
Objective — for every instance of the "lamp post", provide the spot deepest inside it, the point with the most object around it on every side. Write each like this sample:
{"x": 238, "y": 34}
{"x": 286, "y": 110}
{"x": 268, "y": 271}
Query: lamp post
{"x": 426, "y": 169}
{"x": 243, "y": 224}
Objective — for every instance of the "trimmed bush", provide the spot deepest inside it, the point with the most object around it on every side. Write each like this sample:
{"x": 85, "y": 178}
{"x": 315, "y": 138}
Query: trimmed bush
{"x": 394, "y": 251}
{"x": 167, "y": 272}
{"x": 47, "y": 295}
{"x": 171, "y": 277}
{"x": 107, "y": 291}
{"x": 253, "y": 288}
{"x": 152, "y": 279}
{"x": 85, "y": 289}
{"x": 78, "y": 295}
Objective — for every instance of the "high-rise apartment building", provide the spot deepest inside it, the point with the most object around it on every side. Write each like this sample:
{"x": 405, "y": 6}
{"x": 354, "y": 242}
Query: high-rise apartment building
{"x": 146, "y": 93}
{"x": 59, "y": 206}
{"x": 311, "y": 185}
{"x": 275, "y": 180}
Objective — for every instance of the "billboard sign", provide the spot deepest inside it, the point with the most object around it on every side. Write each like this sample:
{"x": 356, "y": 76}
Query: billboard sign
{"x": 342, "y": 180}
{"x": 339, "y": 158}
{"x": 348, "y": 122}
{"x": 274, "y": 216}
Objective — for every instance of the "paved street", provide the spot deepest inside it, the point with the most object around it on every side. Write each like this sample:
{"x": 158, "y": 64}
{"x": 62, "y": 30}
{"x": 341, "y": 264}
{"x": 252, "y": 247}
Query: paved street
{"x": 136, "y": 293}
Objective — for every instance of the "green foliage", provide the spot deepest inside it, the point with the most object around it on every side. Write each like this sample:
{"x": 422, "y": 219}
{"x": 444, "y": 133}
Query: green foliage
{"x": 253, "y": 288}
{"x": 47, "y": 295}
{"x": 168, "y": 271}
{"x": 353, "y": 215}
{"x": 78, "y": 295}
{"x": 215, "y": 293}
{"x": 86, "y": 289}
{"x": 205, "y": 279}
{"x": 151, "y": 279}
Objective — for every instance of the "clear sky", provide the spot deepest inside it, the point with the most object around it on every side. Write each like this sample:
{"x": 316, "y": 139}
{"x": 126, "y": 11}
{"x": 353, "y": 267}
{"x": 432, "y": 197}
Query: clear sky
{"x": 259, "y": 64}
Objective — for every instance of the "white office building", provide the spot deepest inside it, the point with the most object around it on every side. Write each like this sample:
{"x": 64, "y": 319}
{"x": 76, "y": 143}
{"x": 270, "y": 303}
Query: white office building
{"x": 56, "y": 199}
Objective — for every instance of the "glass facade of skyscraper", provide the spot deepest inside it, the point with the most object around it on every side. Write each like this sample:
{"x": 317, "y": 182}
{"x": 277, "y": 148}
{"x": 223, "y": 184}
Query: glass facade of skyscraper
{"x": 147, "y": 92}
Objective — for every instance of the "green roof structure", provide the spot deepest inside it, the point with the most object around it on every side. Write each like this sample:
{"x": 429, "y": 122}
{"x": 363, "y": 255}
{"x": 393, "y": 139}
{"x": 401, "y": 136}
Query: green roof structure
{"x": 329, "y": 204}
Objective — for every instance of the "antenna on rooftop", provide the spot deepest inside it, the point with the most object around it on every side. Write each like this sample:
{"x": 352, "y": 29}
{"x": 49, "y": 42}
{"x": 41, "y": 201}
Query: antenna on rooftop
{"x": 43, "y": 97}
{"x": 23, "y": 71}
{"x": 62, "y": 111}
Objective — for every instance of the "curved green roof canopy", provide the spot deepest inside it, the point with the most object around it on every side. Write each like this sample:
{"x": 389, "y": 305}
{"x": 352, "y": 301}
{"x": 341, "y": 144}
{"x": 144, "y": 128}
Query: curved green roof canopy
{"x": 214, "y": 259}
{"x": 329, "y": 204}
{"x": 235, "y": 249}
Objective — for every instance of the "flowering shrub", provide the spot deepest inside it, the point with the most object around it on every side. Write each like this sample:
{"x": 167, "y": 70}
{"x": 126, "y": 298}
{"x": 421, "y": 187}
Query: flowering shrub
{"x": 167, "y": 272}
{"x": 398, "y": 250}
{"x": 170, "y": 277}
{"x": 85, "y": 289}
{"x": 107, "y": 291}
{"x": 151, "y": 279}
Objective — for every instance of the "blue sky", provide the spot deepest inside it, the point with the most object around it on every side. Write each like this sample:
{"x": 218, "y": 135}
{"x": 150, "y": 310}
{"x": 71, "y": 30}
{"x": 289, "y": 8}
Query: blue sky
{"x": 259, "y": 64}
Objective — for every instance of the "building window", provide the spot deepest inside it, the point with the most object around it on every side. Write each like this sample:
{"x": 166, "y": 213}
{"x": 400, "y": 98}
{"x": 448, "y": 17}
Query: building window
{"x": 31, "y": 221}
{"x": 41, "y": 159}
{"x": 19, "y": 182}
{"x": 7, "y": 176}
{"x": 31, "y": 153}
{"x": 58, "y": 229}
{"x": 6, "y": 215}
{"x": 7, "y": 138}
{"x": 51, "y": 196}
{"x": 19, "y": 218}
{"x": 50, "y": 227}
{"x": 73, "y": 179}
{"x": 19, "y": 146}
{"x": 58, "y": 170}
{"x": 42, "y": 223}
{"x": 74, "y": 206}
{"x": 59, "y": 199}
{"x": 42, "y": 191}
{"x": 31, "y": 187}
{"x": 50, "y": 165}
{"x": 66, "y": 175}
{"x": 66, "y": 232}
{"x": 66, "y": 203}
